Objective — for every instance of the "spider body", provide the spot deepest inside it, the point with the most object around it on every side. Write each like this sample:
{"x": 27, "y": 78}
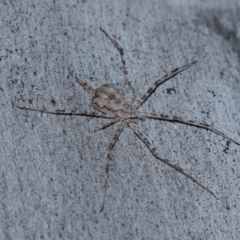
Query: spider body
{"x": 108, "y": 100}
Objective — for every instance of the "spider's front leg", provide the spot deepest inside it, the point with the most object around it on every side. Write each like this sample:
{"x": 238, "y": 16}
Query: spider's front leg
{"x": 107, "y": 125}
{"x": 156, "y": 155}
{"x": 109, "y": 149}
{"x": 188, "y": 122}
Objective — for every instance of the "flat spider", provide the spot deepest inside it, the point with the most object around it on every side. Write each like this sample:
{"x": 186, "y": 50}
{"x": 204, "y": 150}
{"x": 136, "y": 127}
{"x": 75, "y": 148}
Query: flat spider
{"x": 108, "y": 100}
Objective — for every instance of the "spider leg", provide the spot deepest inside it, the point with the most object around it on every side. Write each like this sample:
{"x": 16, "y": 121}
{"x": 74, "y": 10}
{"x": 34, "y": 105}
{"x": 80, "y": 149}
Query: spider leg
{"x": 190, "y": 123}
{"x": 107, "y": 125}
{"x": 65, "y": 112}
{"x": 86, "y": 86}
{"x": 156, "y": 155}
{"x": 110, "y": 147}
{"x": 157, "y": 83}
{"x": 125, "y": 71}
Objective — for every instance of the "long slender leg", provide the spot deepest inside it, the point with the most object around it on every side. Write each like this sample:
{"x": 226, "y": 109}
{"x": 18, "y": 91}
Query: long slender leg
{"x": 157, "y": 83}
{"x": 187, "y": 122}
{"x": 109, "y": 149}
{"x": 107, "y": 125}
{"x": 125, "y": 71}
{"x": 156, "y": 155}
{"x": 86, "y": 86}
{"x": 66, "y": 112}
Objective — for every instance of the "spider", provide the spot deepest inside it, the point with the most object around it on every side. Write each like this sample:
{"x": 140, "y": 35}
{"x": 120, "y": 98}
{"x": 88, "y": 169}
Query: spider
{"x": 108, "y": 100}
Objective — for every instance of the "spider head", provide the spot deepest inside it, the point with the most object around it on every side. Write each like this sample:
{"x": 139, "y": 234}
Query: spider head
{"x": 126, "y": 108}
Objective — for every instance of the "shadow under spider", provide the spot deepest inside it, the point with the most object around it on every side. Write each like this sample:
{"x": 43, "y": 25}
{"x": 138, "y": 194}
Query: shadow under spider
{"x": 108, "y": 100}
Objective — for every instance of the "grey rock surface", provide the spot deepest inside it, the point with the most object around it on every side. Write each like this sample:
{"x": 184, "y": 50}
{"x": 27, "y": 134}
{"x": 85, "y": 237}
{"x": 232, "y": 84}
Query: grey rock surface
{"x": 52, "y": 168}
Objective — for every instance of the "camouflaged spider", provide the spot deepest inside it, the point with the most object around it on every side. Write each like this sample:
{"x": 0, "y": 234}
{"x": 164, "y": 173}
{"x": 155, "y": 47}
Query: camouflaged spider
{"x": 108, "y": 100}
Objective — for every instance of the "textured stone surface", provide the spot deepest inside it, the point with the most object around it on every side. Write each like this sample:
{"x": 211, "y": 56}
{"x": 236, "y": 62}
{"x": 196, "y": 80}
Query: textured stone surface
{"x": 52, "y": 168}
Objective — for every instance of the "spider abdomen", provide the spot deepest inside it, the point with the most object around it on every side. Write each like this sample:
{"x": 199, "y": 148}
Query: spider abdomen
{"x": 108, "y": 99}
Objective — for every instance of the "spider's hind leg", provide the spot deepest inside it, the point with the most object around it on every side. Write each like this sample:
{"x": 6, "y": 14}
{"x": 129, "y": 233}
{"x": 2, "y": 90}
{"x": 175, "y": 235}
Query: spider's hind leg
{"x": 160, "y": 81}
{"x": 66, "y": 112}
{"x": 125, "y": 71}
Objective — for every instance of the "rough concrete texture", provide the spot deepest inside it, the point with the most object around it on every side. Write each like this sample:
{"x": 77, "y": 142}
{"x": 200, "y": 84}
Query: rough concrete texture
{"x": 52, "y": 168}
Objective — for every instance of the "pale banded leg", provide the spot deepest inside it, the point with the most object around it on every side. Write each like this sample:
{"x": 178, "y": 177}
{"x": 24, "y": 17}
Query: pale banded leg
{"x": 187, "y": 122}
{"x": 107, "y": 125}
{"x": 86, "y": 86}
{"x": 156, "y": 155}
{"x": 109, "y": 149}
{"x": 125, "y": 71}
{"x": 66, "y": 112}
{"x": 159, "y": 82}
